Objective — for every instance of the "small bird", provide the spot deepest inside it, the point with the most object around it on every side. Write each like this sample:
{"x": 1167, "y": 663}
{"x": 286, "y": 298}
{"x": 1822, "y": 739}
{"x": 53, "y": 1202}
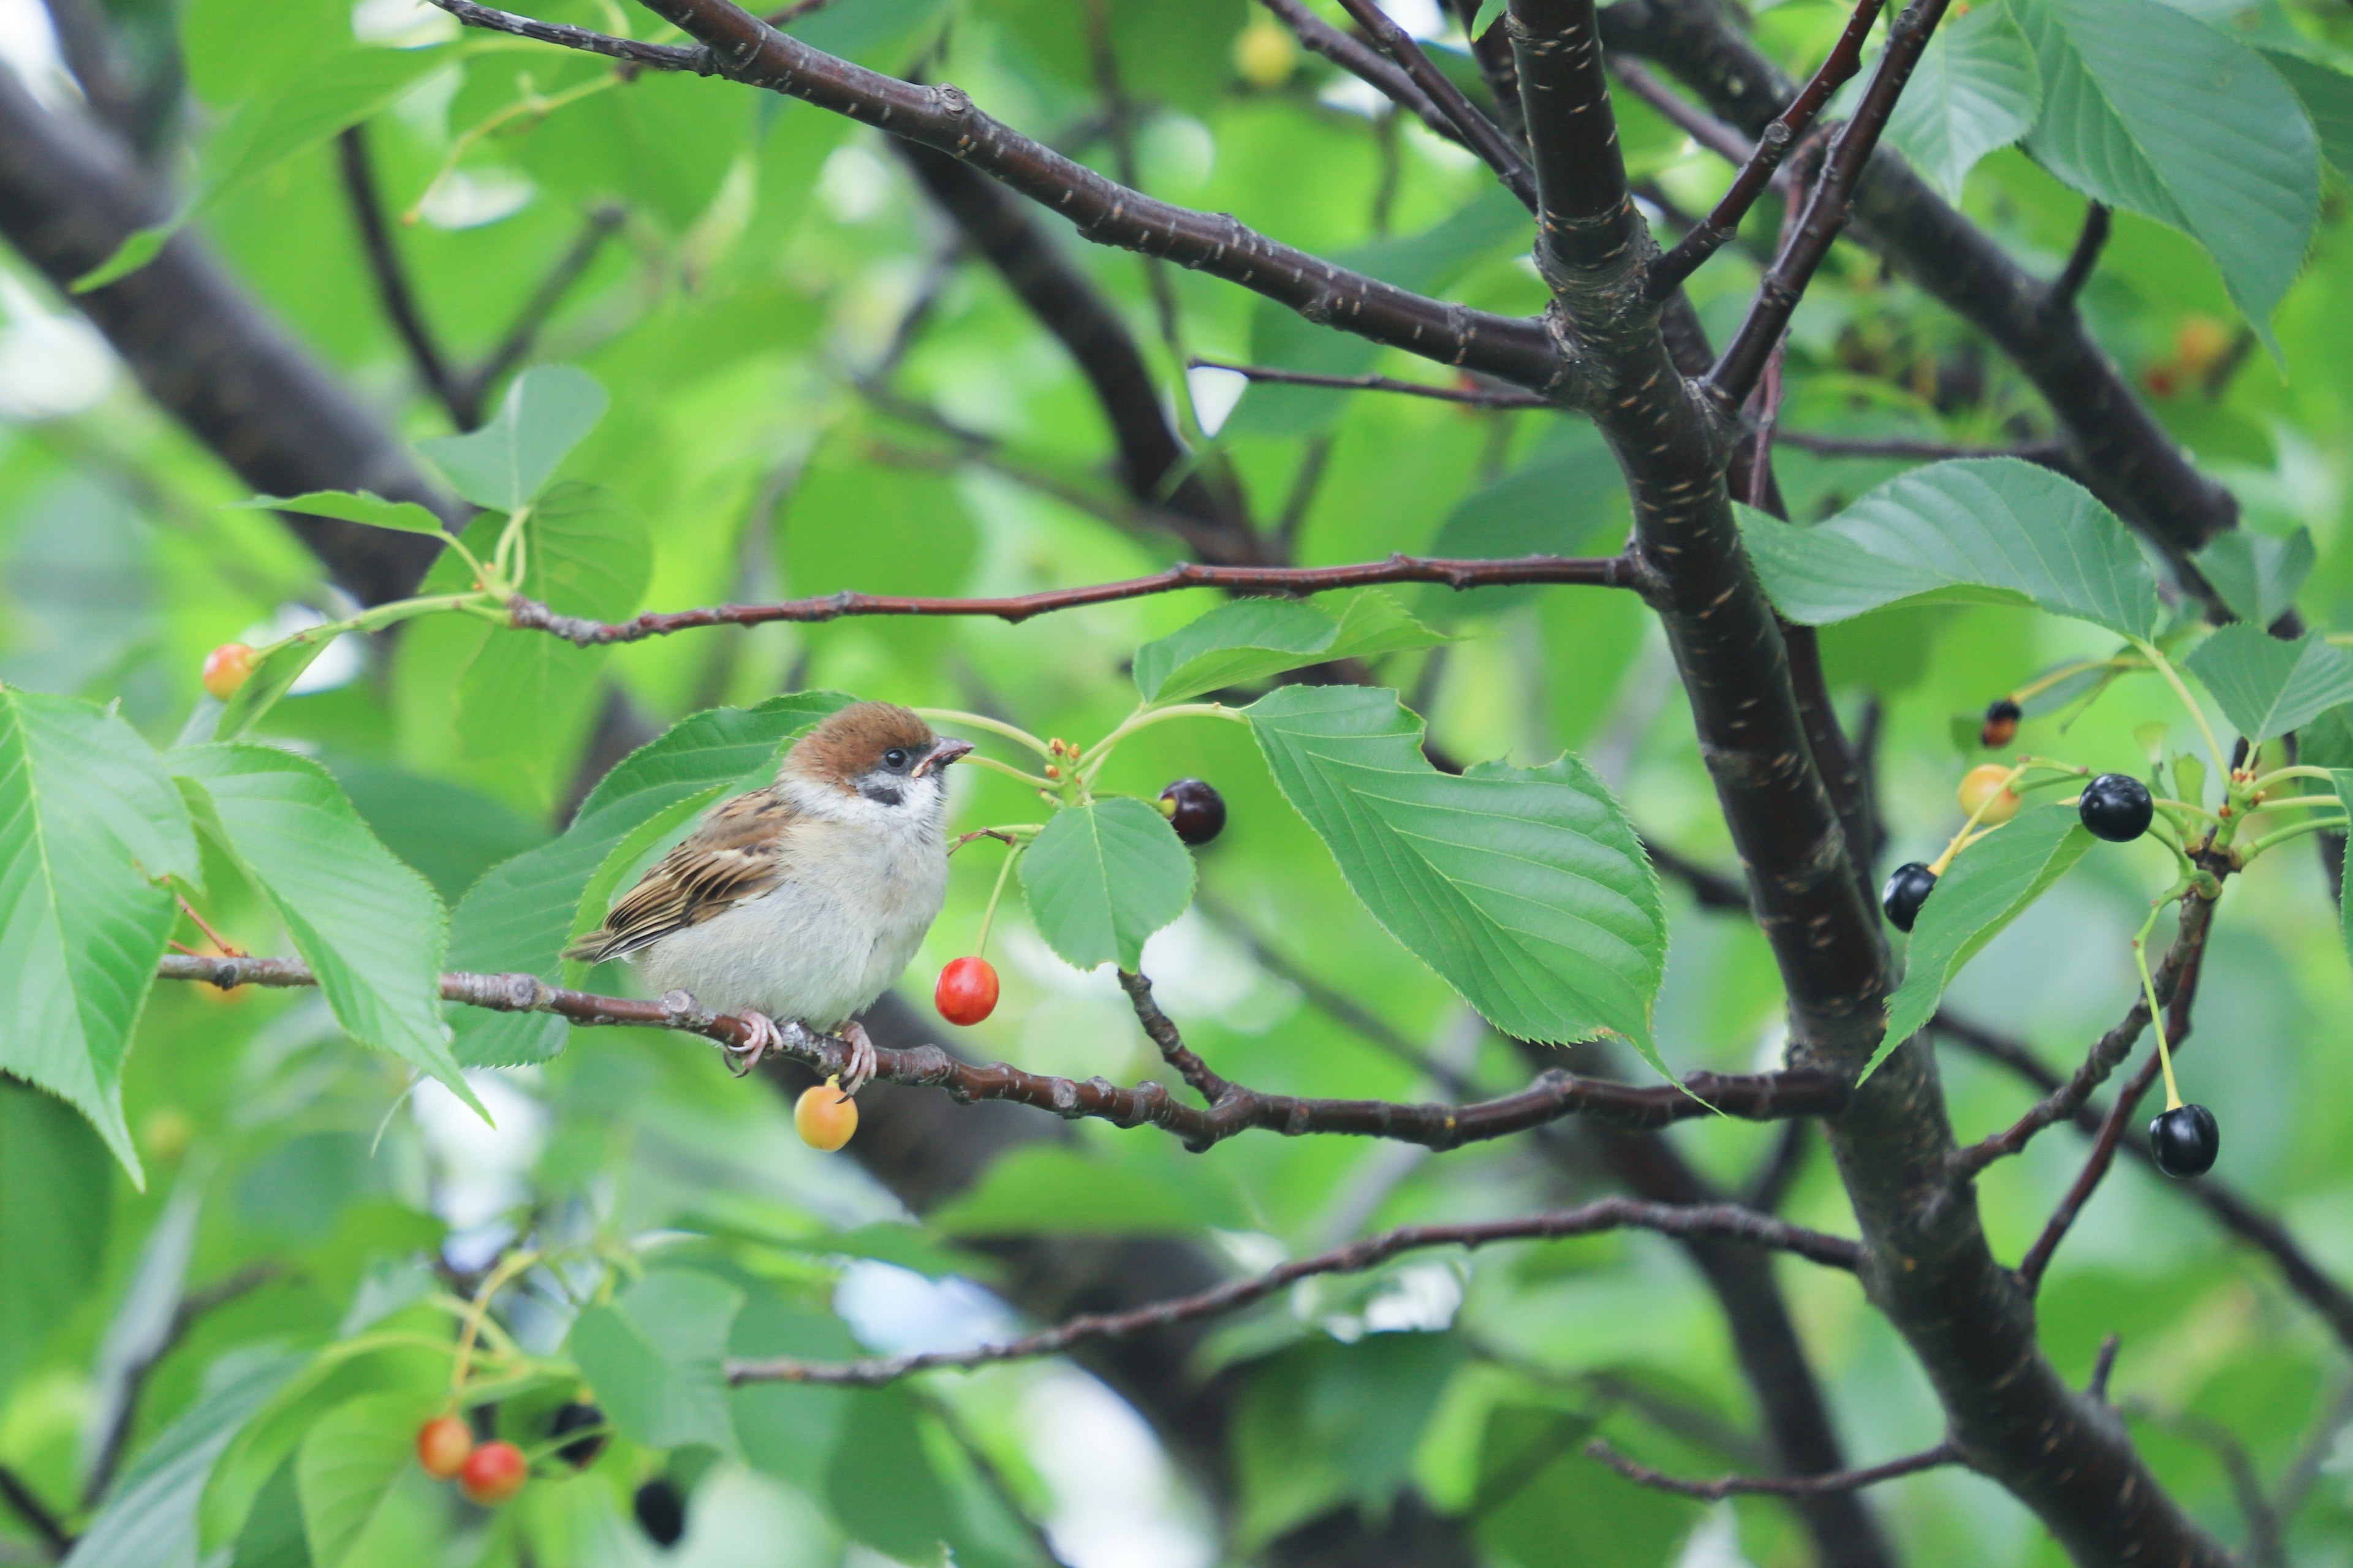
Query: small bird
{"x": 805, "y": 899}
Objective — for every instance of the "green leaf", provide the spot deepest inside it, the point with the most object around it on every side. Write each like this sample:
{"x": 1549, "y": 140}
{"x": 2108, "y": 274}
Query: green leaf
{"x": 449, "y": 832}
{"x": 55, "y": 1208}
{"x": 1056, "y": 1189}
{"x": 881, "y": 1486}
{"x": 2326, "y": 94}
{"x": 2256, "y": 575}
{"x": 2148, "y": 108}
{"x": 1525, "y": 888}
{"x": 788, "y": 1429}
{"x": 520, "y": 915}
{"x": 2267, "y": 687}
{"x": 1987, "y": 887}
{"x": 1250, "y": 639}
{"x": 1976, "y": 89}
{"x": 503, "y": 466}
{"x": 328, "y": 97}
{"x": 1424, "y": 262}
{"x": 1489, "y": 13}
{"x": 653, "y": 1354}
{"x": 274, "y": 1536}
{"x": 1568, "y": 499}
{"x": 1103, "y": 877}
{"x": 90, "y": 825}
{"x": 524, "y": 699}
{"x": 275, "y": 671}
{"x": 1983, "y": 530}
{"x": 354, "y": 506}
{"x": 349, "y": 1465}
{"x": 150, "y": 1517}
{"x": 370, "y": 928}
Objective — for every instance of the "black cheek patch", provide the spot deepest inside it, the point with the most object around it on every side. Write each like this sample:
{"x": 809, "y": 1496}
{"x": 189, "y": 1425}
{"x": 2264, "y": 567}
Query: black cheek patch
{"x": 881, "y": 794}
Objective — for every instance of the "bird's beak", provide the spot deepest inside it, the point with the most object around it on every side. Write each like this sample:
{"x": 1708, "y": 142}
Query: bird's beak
{"x": 944, "y": 754}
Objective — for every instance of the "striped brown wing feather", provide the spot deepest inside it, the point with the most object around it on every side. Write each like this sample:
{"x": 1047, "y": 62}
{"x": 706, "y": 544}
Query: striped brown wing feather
{"x": 738, "y": 853}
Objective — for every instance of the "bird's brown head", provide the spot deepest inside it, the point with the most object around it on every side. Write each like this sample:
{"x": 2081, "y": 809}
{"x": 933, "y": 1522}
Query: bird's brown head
{"x": 878, "y": 750}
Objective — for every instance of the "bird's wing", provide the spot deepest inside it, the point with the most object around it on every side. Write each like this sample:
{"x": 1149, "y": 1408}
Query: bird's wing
{"x": 740, "y": 851}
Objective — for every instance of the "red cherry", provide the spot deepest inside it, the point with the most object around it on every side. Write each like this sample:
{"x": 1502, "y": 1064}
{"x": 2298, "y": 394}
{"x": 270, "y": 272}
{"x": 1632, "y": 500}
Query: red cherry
{"x": 226, "y": 668}
{"x": 494, "y": 1473}
{"x": 443, "y": 1445}
{"x": 967, "y": 992}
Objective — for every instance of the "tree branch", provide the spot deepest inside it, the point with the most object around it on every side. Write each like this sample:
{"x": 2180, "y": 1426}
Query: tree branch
{"x": 1773, "y": 145}
{"x": 2107, "y": 1052}
{"x": 2230, "y": 1210}
{"x": 2060, "y": 300}
{"x": 2037, "y": 1261}
{"x": 1067, "y": 304}
{"x": 1590, "y": 1219}
{"x": 27, "y": 1505}
{"x": 1365, "y": 63}
{"x": 1774, "y": 1486}
{"x": 739, "y": 46}
{"x": 1603, "y": 572}
{"x": 461, "y": 401}
{"x": 69, "y": 194}
{"x": 1756, "y": 1097}
{"x": 1472, "y": 396}
{"x": 603, "y": 221}
{"x": 1697, "y": 123}
{"x": 2048, "y": 454}
{"x": 1474, "y": 130}
{"x": 1827, "y": 210}
{"x": 2122, "y": 453}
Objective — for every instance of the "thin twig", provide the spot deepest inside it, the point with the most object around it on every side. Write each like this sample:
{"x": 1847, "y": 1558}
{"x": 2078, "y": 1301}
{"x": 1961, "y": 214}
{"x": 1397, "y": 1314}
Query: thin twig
{"x": 1364, "y": 62}
{"x": 1774, "y": 1486}
{"x": 1477, "y": 132}
{"x": 1772, "y": 146}
{"x": 603, "y": 221}
{"x": 1475, "y": 397}
{"x": 193, "y": 1306}
{"x": 1711, "y": 889}
{"x": 2066, "y": 289}
{"x": 1604, "y": 572}
{"x": 2107, "y": 1053}
{"x": 2047, "y": 453}
{"x": 28, "y": 1506}
{"x": 461, "y": 401}
{"x": 2037, "y": 1261}
{"x": 1697, "y": 124}
{"x": 2266, "y": 1548}
{"x": 1826, "y": 212}
{"x": 1724, "y": 1220}
{"x": 2104, "y": 1366}
{"x": 1756, "y": 1097}
{"x": 692, "y": 58}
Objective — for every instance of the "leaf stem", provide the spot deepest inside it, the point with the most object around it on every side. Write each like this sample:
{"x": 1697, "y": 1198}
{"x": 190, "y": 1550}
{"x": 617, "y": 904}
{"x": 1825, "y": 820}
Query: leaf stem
{"x": 2173, "y": 677}
{"x": 982, "y": 721}
{"x": 2148, "y": 990}
{"x": 976, "y": 760}
{"x": 1091, "y": 760}
{"x": 988, "y": 915}
{"x": 509, "y": 1266}
{"x": 2300, "y": 770}
{"x": 2248, "y": 851}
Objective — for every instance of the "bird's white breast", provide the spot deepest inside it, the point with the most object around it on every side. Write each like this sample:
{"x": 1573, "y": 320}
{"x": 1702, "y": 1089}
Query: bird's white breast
{"x": 860, "y": 890}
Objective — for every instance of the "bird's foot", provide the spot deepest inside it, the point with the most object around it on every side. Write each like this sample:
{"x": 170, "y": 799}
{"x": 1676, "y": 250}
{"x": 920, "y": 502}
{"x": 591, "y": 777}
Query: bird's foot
{"x": 863, "y": 1060}
{"x": 743, "y": 1059}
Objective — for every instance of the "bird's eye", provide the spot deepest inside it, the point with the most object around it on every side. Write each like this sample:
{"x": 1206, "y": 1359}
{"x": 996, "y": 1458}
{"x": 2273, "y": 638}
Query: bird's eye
{"x": 894, "y": 759}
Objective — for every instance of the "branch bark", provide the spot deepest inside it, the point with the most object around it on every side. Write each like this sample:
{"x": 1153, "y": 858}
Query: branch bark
{"x": 1758, "y": 1096}
{"x": 1727, "y": 1221}
{"x": 1604, "y": 572}
{"x": 211, "y": 358}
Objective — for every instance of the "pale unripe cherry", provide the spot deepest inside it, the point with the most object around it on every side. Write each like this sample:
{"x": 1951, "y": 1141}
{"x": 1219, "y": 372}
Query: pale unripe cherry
{"x": 226, "y": 668}
{"x": 1989, "y": 782}
{"x": 443, "y": 1445}
{"x": 1265, "y": 55}
{"x": 825, "y": 1117}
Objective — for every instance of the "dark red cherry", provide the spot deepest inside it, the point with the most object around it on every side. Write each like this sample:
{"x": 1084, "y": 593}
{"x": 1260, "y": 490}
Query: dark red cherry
{"x": 2116, "y": 808}
{"x": 1195, "y": 810}
{"x": 1906, "y": 892}
{"x": 2184, "y": 1141}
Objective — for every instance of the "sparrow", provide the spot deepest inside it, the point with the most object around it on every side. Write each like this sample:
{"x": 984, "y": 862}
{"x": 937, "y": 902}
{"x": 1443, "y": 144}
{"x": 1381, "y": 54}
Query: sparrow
{"x": 805, "y": 899}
